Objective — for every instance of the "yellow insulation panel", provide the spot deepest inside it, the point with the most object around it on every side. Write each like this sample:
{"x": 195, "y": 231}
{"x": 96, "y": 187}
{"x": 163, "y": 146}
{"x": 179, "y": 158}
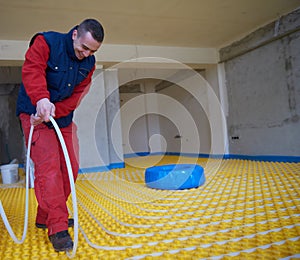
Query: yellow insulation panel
{"x": 245, "y": 209}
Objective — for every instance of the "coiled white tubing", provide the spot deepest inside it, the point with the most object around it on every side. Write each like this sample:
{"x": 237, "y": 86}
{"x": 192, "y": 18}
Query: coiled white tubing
{"x": 73, "y": 192}
{"x": 2, "y": 212}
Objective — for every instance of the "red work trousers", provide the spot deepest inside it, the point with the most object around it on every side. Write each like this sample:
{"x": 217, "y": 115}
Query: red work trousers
{"x": 51, "y": 183}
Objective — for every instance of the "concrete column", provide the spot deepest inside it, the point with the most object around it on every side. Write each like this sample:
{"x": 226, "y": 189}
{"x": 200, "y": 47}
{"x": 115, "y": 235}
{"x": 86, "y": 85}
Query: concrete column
{"x": 90, "y": 118}
{"x": 223, "y": 101}
{"x": 114, "y": 127}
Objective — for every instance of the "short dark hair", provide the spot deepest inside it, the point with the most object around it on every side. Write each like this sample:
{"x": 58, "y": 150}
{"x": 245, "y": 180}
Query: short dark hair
{"x": 92, "y": 26}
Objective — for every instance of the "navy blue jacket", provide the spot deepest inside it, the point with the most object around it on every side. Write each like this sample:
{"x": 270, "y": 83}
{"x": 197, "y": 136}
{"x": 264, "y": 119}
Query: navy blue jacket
{"x": 64, "y": 72}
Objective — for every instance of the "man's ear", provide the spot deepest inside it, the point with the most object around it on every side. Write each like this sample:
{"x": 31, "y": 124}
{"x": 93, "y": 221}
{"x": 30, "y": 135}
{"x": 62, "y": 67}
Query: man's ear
{"x": 74, "y": 34}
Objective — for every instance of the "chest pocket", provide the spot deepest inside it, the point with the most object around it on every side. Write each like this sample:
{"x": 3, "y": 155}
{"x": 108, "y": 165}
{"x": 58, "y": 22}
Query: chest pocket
{"x": 56, "y": 75}
{"x": 82, "y": 74}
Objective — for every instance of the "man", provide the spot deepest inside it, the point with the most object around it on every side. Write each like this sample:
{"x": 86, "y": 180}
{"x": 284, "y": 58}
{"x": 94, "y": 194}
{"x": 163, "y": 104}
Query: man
{"x": 56, "y": 75}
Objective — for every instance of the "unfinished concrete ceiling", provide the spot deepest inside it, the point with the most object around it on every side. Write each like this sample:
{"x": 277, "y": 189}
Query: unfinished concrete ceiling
{"x": 189, "y": 23}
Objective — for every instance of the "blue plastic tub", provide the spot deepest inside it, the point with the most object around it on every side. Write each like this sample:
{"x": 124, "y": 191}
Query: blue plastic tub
{"x": 174, "y": 176}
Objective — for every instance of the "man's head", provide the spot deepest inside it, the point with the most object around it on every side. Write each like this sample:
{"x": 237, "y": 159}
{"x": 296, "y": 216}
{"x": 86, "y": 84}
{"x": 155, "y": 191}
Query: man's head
{"x": 87, "y": 38}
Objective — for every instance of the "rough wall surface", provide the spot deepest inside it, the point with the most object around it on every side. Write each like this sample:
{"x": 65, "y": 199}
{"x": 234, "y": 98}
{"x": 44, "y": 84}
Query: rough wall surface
{"x": 11, "y": 138}
{"x": 263, "y": 82}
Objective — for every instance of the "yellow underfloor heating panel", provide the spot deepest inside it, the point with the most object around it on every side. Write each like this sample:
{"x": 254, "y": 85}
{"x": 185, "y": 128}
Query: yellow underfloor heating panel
{"x": 245, "y": 210}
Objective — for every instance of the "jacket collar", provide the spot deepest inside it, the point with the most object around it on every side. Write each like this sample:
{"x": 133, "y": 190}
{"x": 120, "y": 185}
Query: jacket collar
{"x": 69, "y": 44}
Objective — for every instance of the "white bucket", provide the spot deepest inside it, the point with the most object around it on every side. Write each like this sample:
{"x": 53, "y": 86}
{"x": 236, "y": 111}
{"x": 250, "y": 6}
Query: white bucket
{"x": 9, "y": 173}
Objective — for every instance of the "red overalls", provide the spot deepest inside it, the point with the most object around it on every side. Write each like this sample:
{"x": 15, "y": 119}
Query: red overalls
{"x": 51, "y": 184}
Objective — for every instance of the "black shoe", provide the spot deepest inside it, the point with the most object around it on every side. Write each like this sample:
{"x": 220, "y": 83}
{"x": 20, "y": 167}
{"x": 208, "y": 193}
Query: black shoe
{"x": 43, "y": 226}
{"x": 61, "y": 241}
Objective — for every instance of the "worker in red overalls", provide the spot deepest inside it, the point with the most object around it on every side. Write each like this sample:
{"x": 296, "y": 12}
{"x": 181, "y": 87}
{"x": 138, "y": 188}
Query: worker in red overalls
{"x": 56, "y": 74}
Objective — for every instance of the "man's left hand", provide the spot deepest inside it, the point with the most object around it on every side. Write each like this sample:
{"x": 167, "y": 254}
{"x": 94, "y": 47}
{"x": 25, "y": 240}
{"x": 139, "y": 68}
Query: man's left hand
{"x": 35, "y": 120}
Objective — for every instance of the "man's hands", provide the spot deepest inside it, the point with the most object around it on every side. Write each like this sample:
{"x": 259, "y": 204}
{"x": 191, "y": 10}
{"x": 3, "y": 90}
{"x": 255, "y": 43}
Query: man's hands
{"x": 44, "y": 109}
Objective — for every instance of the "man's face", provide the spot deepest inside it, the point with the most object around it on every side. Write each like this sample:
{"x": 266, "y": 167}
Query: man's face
{"x": 85, "y": 45}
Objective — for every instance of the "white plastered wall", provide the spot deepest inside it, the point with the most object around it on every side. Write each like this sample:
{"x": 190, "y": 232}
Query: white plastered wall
{"x": 186, "y": 115}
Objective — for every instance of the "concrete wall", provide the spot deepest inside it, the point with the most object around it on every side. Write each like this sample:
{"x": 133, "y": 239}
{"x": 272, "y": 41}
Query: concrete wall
{"x": 263, "y": 83}
{"x": 175, "y": 111}
{"x": 135, "y": 134}
{"x": 11, "y": 138}
{"x": 187, "y": 135}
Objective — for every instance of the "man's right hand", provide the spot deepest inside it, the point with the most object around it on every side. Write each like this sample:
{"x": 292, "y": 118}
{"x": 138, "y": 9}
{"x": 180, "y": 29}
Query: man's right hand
{"x": 45, "y": 109}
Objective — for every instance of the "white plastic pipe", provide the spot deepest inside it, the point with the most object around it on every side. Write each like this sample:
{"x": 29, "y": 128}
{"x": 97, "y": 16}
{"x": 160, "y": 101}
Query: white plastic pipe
{"x": 72, "y": 185}
{"x": 2, "y": 212}
{"x": 73, "y": 192}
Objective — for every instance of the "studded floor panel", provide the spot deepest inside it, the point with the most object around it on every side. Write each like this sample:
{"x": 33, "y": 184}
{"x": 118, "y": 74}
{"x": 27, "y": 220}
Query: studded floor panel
{"x": 245, "y": 210}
